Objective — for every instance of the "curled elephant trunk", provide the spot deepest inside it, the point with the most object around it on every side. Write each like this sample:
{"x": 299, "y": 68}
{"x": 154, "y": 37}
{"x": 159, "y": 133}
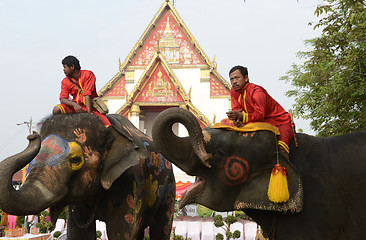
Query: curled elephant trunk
{"x": 22, "y": 201}
{"x": 187, "y": 153}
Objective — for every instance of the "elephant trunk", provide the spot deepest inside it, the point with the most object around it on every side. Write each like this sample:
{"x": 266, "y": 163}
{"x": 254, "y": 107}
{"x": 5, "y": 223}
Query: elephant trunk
{"x": 187, "y": 153}
{"x": 28, "y": 199}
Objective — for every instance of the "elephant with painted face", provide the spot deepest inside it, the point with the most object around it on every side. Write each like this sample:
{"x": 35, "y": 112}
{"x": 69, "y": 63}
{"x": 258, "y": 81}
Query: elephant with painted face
{"x": 111, "y": 174}
{"x": 326, "y": 177}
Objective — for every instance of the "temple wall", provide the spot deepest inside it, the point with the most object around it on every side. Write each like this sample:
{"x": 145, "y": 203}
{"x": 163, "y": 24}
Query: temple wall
{"x": 200, "y": 94}
{"x": 115, "y": 104}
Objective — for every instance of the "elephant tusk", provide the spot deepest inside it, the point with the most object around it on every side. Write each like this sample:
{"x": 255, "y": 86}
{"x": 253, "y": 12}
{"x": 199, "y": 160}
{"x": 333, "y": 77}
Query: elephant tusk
{"x": 32, "y": 136}
{"x": 206, "y": 160}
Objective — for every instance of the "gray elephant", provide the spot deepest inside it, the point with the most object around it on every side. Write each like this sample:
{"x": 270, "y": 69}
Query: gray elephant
{"x": 326, "y": 177}
{"x": 111, "y": 174}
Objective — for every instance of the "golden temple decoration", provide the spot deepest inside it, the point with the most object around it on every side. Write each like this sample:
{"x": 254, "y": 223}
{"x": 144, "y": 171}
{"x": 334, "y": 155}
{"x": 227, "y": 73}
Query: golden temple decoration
{"x": 120, "y": 65}
{"x": 130, "y": 76}
{"x": 159, "y": 87}
{"x": 157, "y": 45}
{"x": 135, "y": 108}
{"x": 205, "y": 75}
{"x": 184, "y": 106}
{"x": 214, "y": 119}
{"x": 189, "y": 92}
{"x": 168, "y": 45}
{"x": 213, "y": 63}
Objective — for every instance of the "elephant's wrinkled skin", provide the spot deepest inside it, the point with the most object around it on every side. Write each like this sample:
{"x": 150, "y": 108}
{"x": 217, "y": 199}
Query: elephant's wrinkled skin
{"x": 326, "y": 177}
{"x": 111, "y": 174}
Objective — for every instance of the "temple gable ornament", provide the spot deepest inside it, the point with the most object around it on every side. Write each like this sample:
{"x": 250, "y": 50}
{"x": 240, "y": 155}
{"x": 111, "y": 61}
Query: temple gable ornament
{"x": 159, "y": 88}
{"x": 172, "y": 43}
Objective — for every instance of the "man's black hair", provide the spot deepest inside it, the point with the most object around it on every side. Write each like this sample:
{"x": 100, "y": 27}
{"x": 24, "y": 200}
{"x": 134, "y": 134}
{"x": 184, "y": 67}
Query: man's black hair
{"x": 243, "y": 70}
{"x": 71, "y": 60}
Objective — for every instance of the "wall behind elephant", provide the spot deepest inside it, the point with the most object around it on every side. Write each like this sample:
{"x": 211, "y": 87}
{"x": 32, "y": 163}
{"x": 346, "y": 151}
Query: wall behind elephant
{"x": 264, "y": 35}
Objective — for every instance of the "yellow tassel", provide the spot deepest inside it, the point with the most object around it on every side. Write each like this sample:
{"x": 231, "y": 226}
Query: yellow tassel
{"x": 278, "y": 189}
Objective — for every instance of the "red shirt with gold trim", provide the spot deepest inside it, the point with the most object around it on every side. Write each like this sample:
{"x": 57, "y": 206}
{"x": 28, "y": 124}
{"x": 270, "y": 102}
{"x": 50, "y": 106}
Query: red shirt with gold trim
{"x": 258, "y": 106}
{"x": 86, "y": 82}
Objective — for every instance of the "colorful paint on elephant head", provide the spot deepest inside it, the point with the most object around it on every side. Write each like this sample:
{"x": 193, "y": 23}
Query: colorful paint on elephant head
{"x": 235, "y": 170}
{"x": 76, "y": 153}
{"x": 80, "y": 135}
{"x": 52, "y": 149}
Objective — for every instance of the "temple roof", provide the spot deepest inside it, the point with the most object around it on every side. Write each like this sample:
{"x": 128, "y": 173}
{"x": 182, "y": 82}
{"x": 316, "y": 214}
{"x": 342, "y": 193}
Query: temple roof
{"x": 159, "y": 86}
{"x": 165, "y": 45}
{"x": 168, "y": 32}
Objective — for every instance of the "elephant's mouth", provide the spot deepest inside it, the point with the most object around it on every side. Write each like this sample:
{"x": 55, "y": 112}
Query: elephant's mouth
{"x": 191, "y": 194}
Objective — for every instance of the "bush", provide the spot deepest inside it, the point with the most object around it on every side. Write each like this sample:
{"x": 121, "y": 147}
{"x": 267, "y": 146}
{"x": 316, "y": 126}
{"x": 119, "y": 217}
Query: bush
{"x": 20, "y": 221}
{"x": 63, "y": 214}
{"x": 43, "y": 229}
{"x": 179, "y": 237}
{"x": 225, "y": 225}
{"x": 99, "y": 234}
{"x": 56, "y": 234}
{"x": 219, "y": 236}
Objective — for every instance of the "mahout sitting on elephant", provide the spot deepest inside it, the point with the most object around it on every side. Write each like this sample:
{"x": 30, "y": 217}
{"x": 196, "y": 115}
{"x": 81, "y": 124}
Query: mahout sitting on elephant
{"x": 110, "y": 174}
{"x": 326, "y": 177}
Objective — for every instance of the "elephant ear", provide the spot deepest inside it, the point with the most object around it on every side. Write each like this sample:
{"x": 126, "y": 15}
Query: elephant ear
{"x": 121, "y": 154}
{"x": 254, "y": 194}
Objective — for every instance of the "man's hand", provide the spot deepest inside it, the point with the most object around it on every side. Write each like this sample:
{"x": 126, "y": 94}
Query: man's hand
{"x": 235, "y": 115}
{"x": 238, "y": 123}
{"x": 78, "y": 108}
{"x": 72, "y": 104}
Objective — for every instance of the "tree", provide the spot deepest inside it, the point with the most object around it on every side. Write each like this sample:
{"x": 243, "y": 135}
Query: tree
{"x": 218, "y": 222}
{"x": 330, "y": 86}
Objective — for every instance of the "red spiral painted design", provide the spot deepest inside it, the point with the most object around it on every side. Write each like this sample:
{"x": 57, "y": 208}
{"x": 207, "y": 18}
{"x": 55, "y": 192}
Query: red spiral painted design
{"x": 236, "y": 170}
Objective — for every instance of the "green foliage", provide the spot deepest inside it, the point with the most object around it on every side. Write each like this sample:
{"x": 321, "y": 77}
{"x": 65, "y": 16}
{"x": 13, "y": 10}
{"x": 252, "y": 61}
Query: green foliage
{"x": 330, "y": 86}
{"x": 43, "y": 225}
{"x": 99, "y": 234}
{"x": 63, "y": 214}
{"x": 218, "y": 222}
{"x": 242, "y": 215}
{"x": 43, "y": 229}
{"x": 236, "y": 234}
{"x": 20, "y": 221}
{"x": 50, "y": 226}
{"x": 177, "y": 212}
{"x": 231, "y": 219}
{"x": 219, "y": 236}
{"x": 179, "y": 237}
{"x": 56, "y": 234}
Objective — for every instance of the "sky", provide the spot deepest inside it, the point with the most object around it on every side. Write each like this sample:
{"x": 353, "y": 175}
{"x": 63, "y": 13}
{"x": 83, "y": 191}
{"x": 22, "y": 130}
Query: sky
{"x": 263, "y": 35}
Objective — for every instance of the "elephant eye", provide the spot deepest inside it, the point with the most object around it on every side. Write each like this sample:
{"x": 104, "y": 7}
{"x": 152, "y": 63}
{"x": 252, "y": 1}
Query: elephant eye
{"x": 76, "y": 158}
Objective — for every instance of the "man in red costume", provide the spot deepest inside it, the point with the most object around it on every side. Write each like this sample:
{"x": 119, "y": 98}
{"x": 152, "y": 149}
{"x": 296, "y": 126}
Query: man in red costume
{"x": 81, "y": 102}
{"x": 252, "y": 103}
